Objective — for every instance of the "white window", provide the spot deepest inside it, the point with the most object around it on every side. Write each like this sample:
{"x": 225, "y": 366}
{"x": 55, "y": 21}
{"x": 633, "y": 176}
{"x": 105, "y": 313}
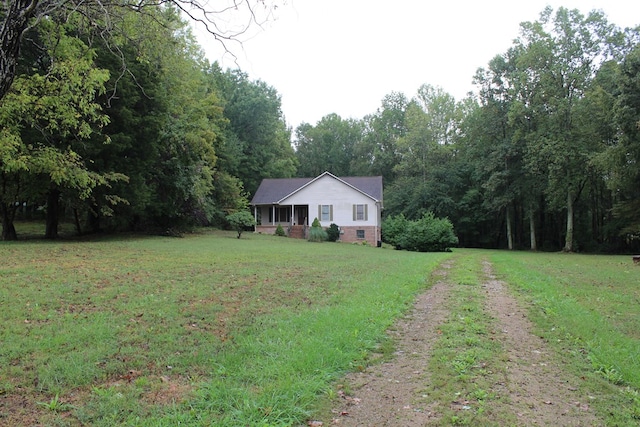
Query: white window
{"x": 325, "y": 212}
{"x": 359, "y": 212}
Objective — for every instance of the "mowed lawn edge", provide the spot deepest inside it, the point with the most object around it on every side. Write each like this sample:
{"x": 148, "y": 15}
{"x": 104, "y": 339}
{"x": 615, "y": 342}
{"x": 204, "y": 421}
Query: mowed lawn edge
{"x": 199, "y": 330}
{"x": 586, "y": 307}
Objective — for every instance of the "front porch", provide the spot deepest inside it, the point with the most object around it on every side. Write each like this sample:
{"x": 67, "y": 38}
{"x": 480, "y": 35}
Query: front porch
{"x": 294, "y": 219}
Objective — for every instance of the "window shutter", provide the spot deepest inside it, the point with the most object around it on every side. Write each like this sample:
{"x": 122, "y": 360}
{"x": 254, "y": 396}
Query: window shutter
{"x": 330, "y": 212}
{"x": 354, "y": 212}
{"x": 320, "y": 212}
{"x": 366, "y": 217}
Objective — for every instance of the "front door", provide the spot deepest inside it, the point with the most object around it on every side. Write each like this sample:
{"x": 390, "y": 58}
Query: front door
{"x": 302, "y": 214}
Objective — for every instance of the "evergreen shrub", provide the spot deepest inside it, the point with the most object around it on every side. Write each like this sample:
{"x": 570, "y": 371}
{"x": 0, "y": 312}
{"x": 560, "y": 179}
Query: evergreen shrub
{"x": 316, "y": 232}
{"x": 333, "y": 233}
{"x": 280, "y": 231}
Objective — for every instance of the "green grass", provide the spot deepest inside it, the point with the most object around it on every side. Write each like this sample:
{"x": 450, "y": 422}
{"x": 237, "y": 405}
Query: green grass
{"x": 207, "y": 328}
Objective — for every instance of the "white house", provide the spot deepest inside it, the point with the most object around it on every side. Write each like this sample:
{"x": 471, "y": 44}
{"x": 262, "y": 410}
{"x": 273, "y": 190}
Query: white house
{"x": 352, "y": 203}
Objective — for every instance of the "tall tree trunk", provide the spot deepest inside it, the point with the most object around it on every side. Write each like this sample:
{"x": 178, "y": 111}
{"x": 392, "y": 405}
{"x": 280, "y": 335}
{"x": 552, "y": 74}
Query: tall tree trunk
{"x": 532, "y": 230}
{"x": 568, "y": 245}
{"x": 76, "y": 218}
{"x": 8, "y": 228}
{"x": 93, "y": 219}
{"x": 13, "y": 24}
{"x": 509, "y": 230}
{"x": 53, "y": 214}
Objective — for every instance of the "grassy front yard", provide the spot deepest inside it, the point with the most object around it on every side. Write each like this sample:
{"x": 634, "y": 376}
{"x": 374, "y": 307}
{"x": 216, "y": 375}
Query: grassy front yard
{"x": 207, "y": 328}
{"x": 214, "y": 330}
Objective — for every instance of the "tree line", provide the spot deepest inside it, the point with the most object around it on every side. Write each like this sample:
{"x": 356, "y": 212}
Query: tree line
{"x": 545, "y": 156}
{"x": 135, "y": 130}
{"x": 131, "y": 129}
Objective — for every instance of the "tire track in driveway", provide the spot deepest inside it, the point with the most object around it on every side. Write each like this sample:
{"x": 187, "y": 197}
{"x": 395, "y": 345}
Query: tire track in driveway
{"x": 386, "y": 394}
{"x": 536, "y": 388}
{"x": 527, "y": 382}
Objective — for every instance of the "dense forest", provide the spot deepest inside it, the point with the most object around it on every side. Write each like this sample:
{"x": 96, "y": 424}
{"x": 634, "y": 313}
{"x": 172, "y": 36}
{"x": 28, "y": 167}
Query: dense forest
{"x": 137, "y": 130}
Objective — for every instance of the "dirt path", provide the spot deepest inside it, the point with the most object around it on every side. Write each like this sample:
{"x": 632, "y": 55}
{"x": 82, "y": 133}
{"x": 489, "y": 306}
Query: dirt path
{"x": 539, "y": 391}
{"x": 384, "y": 395}
{"x": 531, "y": 387}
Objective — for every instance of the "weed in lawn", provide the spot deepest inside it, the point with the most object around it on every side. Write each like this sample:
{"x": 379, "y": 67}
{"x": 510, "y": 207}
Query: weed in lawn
{"x": 480, "y": 394}
{"x": 55, "y": 405}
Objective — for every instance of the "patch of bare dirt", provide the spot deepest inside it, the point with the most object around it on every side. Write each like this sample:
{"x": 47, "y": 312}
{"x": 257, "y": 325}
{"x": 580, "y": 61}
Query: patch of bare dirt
{"x": 384, "y": 394}
{"x": 535, "y": 388}
{"x": 18, "y": 410}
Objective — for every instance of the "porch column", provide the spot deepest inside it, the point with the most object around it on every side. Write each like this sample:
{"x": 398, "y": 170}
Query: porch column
{"x": 293, "y": 211}
{"x": 255, "y": 219}
{"x": 273, "y": 214}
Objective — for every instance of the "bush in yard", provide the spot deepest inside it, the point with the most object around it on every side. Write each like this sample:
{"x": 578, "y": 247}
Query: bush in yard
{"x": 393, "y": 228}
{"x": 280, "y": 231}
{"x": 240, "y": 221}
{"x": 316, "y": 232}
{"x": 333, "y": 233}
{"x": 427, "y": 234}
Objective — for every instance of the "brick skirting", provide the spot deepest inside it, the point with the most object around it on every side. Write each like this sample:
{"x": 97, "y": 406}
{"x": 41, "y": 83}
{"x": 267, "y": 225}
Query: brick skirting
{"x": 348, "y": 234}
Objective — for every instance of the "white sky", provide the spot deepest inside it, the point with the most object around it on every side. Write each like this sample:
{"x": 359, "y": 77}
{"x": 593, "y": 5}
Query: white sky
{"x": 344, "y": 56}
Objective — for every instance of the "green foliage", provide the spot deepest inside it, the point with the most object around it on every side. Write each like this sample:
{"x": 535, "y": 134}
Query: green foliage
{"x": 393, "y": 228}
{"x": 55, "y": 405}
{"x": 257, "y": 139}
{"x": 172, "y": 140}
{"x": 48, "y": 118}
{"x": 377, "y": 152}
{"x": 280, "y": 231}
{"x": 327, "y": 146}
{"x": 621, "y": 161}
{"x": 241, "y": 221}
{"x": 189, "y": 137}
{"x": 316, "y": 232}
{"x": 333, "y": 233}
{"x": 427, "y": 234}
{"x": 428, "y": 170}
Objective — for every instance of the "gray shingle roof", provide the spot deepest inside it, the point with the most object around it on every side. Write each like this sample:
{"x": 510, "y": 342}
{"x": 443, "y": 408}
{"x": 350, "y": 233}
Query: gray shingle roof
{"x": 272, "y": 190}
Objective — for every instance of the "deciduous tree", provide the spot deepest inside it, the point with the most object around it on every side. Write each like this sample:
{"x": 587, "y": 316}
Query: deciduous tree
{"x": 46, "y": 116}
{"x": 106, "y": 17}
{"x": 327, "y": 146}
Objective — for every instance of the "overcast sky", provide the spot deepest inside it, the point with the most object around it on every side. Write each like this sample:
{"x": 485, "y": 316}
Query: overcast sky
{"x": 344, "y": 56}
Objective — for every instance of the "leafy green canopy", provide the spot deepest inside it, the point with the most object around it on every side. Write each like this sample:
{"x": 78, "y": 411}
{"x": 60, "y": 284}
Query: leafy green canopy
{"x": 47, "y": 116}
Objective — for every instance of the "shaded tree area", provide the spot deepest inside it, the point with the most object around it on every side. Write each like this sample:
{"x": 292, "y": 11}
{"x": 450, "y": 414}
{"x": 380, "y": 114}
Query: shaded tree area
{"x": 131, "y": 129}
